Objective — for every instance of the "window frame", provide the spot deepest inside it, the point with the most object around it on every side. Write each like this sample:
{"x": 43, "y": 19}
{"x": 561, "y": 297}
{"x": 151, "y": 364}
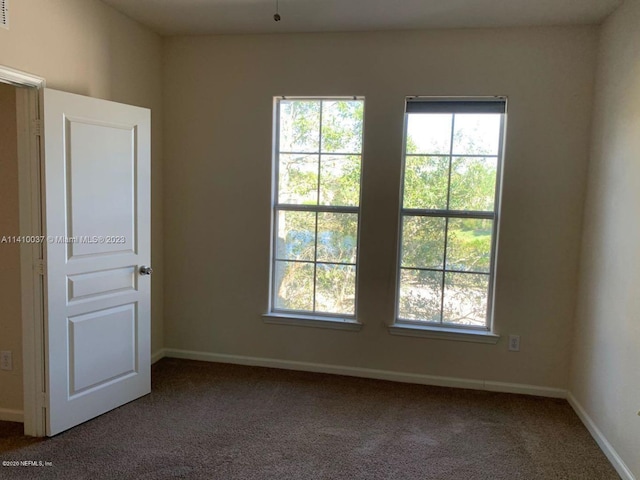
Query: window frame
{"x": 450, "y": 331}
{"x": 308, "y": 317}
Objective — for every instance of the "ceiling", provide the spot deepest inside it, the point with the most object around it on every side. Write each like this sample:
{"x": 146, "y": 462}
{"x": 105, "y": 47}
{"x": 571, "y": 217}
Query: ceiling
{"x": 175, "y": 17}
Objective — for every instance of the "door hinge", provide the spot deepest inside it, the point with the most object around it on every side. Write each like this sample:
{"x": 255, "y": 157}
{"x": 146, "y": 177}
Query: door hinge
{"x": 42, "y": 400}
{"x": 40, "y": 267}
{"x": 36, "y": 127}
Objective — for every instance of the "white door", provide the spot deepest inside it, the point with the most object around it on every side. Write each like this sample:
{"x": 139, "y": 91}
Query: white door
{"x": 97, "y": 222}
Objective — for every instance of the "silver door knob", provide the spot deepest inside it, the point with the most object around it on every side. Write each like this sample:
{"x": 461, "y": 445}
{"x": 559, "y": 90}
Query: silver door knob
{"x": 144, "y": 270}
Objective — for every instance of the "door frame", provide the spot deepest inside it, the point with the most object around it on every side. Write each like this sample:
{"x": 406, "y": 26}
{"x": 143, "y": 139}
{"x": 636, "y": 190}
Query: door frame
{"x": 30, "y": 185}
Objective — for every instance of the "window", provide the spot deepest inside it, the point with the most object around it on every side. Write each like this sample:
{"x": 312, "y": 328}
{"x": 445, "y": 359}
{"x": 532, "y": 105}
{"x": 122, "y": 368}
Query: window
{"x": 449, "y": 216}
{"x": 316, "y": 212}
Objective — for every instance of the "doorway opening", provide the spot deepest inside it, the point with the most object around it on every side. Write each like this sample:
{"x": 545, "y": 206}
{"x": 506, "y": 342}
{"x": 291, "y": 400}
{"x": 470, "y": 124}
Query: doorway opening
{"x": 85, "y": 246}
{"x": 11, "y": 385}
{"x": 21, "y": 280}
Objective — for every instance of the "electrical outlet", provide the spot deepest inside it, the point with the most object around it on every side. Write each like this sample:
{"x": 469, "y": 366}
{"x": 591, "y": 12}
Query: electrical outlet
{"x": 514, "y": 343}
{"x": 6, "y": 360}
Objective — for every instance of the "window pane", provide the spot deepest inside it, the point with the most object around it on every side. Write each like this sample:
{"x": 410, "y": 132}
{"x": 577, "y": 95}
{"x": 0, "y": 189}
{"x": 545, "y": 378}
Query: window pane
{"x": 469, "y": 244}
{"x": 337, "y": 237}
{"x": 429, "y": 133}
{"x": 451, "y": 166}
{"x": 293, "y": 286}
{"x": 296, "y": 236}
{"x": 426, "y": 181}
{"x": 420, "y": 295}
{"x": 298, "y": 179}
{"x": 335, "y": 289}
{"x": 299, "y": 126}
{"x": 340, "y": 180}
{"x": 476, "y": 134}
{"x": 315, "y": 252}
{"x": 465, "y": 299}
{"x": 423, "y": 242}
{"x": 342, "y": 126}
{"x": 473, "y": 183}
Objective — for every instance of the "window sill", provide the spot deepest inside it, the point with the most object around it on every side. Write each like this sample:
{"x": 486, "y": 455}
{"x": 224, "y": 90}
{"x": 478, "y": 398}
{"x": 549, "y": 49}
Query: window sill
{"x": 453, "y": 334}
{"x": 334, "y": 323}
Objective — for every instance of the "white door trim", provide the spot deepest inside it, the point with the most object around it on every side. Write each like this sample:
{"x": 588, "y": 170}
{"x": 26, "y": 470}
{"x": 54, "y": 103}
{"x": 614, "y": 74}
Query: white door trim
{"x": 19, "y": 78}
{"x": 29, "y": 180}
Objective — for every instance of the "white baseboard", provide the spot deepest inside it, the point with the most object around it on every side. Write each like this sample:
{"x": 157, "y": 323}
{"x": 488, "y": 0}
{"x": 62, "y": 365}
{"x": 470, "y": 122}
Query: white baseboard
{"x": 601, "y": 440}
{"x": 369, "y": 373}
{"x": 524, "y": 389}
{"x": 158, "y": 355}
{"x": 8, "y": 415}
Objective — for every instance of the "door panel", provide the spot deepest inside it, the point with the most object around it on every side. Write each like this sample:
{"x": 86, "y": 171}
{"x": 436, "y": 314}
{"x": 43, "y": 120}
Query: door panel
{"x": 109, "y": 179}
{"x": 87, "y": 286}
{"x": 97, "y": 216}
{"x": 102, "y": 347}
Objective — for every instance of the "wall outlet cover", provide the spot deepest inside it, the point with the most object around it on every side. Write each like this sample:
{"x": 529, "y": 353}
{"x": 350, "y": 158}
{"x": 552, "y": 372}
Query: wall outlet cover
{"x": 6, "y": 360}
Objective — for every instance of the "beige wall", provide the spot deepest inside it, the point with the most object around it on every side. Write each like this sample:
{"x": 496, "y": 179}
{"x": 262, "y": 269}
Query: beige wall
{"x": 218, "y": 100}
{"x": 218, "y": 129}
{"x": 605, "y": 376}
{"x": 10, "y": 307}
{"x": 86, "y": 47}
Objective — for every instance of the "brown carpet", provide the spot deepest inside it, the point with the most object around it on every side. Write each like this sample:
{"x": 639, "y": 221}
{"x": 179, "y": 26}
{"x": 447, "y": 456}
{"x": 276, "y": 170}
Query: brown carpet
{"x": 215, "y": 421}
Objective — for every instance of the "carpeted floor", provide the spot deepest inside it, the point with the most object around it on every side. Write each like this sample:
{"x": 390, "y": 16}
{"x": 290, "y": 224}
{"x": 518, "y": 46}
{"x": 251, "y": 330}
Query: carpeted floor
{"x": 215, "y": 421}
